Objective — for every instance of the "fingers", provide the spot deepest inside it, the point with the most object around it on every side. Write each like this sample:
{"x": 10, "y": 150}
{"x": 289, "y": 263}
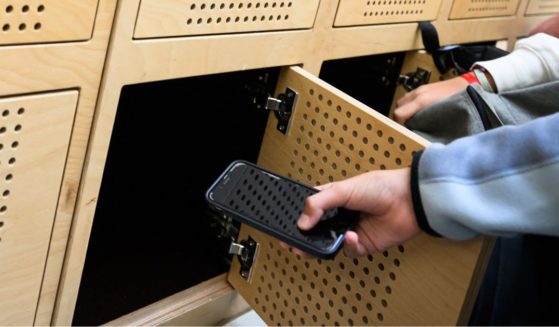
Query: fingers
{"x": 408, "y": 97}
{"x": 426, "y": 95}
{"x": 352, "y": 247}
{"x": 408, "y": 105}
{"x": 549, "y": 26}
{"x": 405, "y": 112}
{"x": 331, "y": 197}
{"x": 323, "y": 187}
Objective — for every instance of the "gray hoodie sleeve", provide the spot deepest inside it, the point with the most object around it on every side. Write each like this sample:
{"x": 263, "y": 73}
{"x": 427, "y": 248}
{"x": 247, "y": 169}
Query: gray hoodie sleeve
{"x": 502, "y": 182}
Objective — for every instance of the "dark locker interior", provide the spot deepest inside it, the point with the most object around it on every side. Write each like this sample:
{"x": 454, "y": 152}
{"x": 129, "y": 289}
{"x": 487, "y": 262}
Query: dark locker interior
{"x": 149, "y": 241}
{"x": 370, "y": 79}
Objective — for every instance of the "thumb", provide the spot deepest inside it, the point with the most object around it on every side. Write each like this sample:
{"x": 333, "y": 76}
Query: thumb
{"x": 333, "y": 196}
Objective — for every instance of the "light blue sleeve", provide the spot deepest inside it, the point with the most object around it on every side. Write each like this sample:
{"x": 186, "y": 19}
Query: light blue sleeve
{"x": 501, "y": 182}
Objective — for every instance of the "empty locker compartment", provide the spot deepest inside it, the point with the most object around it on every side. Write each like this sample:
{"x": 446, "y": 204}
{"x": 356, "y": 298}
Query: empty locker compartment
{"x": 149, "y": 242}
{"x": 370, "y": 79}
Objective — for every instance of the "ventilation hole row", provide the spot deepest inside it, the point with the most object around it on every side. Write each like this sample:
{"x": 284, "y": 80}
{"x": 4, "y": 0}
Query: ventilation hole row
{"x": 17, "y": 128}
{"x": 488, "y": 1}
{"x": 237, "y": 19}
{"x": 5, "y": 194}
{"x": 13, "y": 145}
{"x": 11, "y": 161}
{"x": 21, "y": 27}
{"x": 7, "y": 112}
{"x": 393, "y": 13}
{"x": 487, "y": 8}
{"x": 546, "y": 7}
{"x": 241, "y": 5}
{"x": 24, "y": 9}
{"x": 394, "y": 2}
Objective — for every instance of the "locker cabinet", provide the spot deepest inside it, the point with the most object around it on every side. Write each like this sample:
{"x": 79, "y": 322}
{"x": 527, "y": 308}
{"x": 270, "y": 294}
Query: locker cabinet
{"x": 41, "y": 21}
{"x": 162, "y": 41}
{"x": 52, "y": 55}
{"x": 32, "y": 129}
{"x": 476, "y": 9}
{"x": 541, "y": 7}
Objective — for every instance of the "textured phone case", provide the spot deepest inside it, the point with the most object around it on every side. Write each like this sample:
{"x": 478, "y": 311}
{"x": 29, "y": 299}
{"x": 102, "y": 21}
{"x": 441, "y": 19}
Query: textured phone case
{"x": 274, "y": 205}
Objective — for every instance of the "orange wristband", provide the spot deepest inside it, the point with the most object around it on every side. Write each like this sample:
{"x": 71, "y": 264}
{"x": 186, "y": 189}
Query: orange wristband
{"x": 470, "y": 78}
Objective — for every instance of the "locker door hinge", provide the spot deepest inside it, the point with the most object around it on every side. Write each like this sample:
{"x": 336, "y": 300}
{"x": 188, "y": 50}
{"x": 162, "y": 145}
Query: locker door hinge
{"x": 245, "y": 251}
{"x": 414, "y": 80}
{"x": 282, "y": 106}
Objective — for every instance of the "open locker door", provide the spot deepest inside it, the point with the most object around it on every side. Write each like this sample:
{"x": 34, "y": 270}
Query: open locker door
{"x": 426, "y": 281}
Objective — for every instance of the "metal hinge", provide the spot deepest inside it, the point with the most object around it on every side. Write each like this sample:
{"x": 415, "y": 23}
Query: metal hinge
{"x": 245, "y": 251}
{"x": 412, "y": 81}
{"x": 282, "y": 106}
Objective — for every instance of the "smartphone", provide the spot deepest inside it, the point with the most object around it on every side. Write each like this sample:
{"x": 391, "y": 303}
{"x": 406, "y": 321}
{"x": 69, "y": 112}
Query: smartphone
{"x": 273, "y": 203}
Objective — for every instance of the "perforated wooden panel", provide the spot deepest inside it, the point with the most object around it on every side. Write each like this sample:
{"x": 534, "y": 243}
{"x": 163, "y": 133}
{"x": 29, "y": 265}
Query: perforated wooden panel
{"x": 425, "y": 281}
{"x": 34, "y": 139}
{"x": 483, "y": 8}
{"x": 540, "y": 7}
{"x": 369, "y": 12}
{"x": 159, "y": 18}
{"x": 37, "y": 21}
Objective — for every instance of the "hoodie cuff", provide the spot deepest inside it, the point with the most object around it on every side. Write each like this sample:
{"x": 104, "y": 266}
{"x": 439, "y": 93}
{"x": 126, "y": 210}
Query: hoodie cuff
{"x": 416, "y": 197}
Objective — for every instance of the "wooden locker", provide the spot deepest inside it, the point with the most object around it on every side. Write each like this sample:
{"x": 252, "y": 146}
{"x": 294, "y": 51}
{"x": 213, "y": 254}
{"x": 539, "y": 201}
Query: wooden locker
{"x": 33, "y": 129}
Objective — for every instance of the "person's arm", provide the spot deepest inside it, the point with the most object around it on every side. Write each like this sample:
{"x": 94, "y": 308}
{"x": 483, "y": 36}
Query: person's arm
{"x": 549, "y": 26}
{"x": 534, "y": 60}
{"x": 501, "y": 182}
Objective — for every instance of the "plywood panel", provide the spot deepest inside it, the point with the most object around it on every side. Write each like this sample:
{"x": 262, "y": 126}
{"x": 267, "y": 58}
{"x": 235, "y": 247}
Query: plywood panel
{"x": 541, "y": 7}
{"x": 158, "y": 18}
{"x": 37, "y": 21}
{"x": 34, "y": 139}
{"x": 370, "y": 12}
{"x": 483, "y": 8}
{"x": 425, "y": 281}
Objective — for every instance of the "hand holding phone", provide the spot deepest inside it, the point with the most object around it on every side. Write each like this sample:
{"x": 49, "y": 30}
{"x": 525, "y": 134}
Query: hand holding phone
{"x": 272, "y": 203}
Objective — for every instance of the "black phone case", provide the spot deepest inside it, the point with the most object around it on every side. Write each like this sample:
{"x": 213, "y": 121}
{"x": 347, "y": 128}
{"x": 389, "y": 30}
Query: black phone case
{"x": 273, "y": 203}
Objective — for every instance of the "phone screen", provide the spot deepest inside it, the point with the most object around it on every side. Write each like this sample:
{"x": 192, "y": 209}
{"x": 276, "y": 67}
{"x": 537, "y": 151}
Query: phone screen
{"x": 273, "y": 204}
